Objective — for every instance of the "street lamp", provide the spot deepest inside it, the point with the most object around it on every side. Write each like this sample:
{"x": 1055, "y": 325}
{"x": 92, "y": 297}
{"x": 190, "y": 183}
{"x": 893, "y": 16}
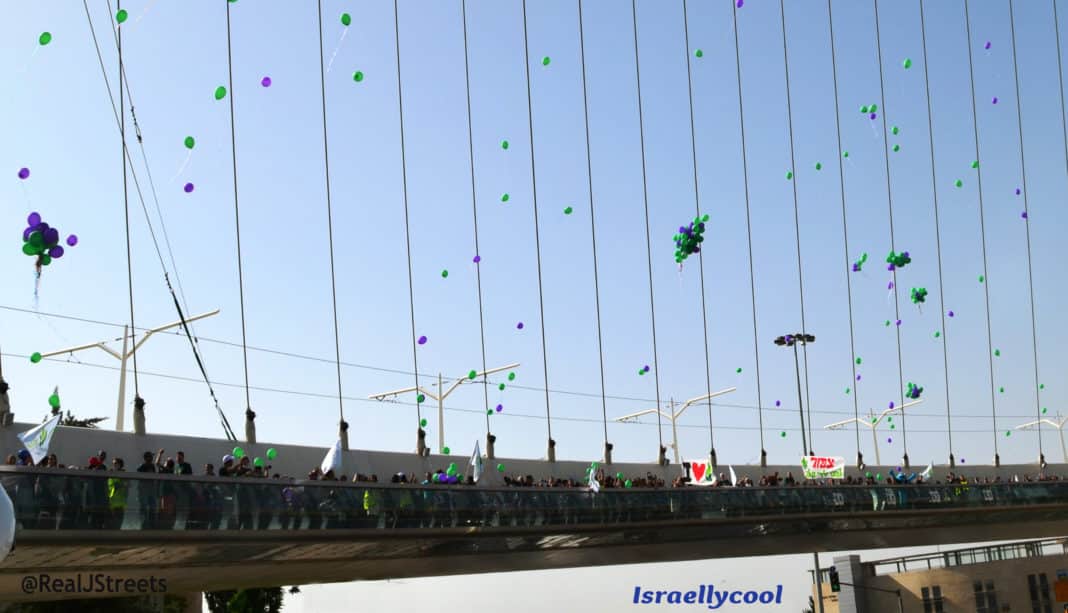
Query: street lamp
{"x": 793, "y": 340}
{"x": 1058, "y": 423}
{"x": 441, "y": 395}
{"x": 126, "y": 355}
{"x": 674, "y": 415}
{"x": 872, "y": 422}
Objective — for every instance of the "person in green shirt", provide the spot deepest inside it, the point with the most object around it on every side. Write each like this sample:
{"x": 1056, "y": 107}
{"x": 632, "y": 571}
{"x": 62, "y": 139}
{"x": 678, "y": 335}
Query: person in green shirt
{"x": 117, "y": 490}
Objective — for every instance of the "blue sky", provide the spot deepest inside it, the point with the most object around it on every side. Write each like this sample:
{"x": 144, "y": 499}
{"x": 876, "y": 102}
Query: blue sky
{"x": 60, "y": 125}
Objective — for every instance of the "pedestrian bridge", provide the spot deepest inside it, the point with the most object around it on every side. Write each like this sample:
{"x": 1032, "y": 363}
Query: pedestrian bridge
{"x": 206, "y": 533}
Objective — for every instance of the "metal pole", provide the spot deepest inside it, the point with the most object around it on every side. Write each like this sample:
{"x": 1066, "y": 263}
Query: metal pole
{"x": 800, "y": 408}
{"x": 900, "y": 607}
{"x": 819, "y": 582}
{"x": 674, "y": 432}
{"x": 875, "y": 442}
{"x": 441, "y": 415}
{"x": 1064, "y": 454}
{"x": 120, "y": 415}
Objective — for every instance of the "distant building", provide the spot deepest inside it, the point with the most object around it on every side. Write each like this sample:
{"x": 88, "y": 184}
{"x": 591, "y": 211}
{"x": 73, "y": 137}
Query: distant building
{"x": 1027, "y": 577}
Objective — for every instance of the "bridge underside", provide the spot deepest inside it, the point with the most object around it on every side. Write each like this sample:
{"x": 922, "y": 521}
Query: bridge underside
{"x": 193, "y": 561}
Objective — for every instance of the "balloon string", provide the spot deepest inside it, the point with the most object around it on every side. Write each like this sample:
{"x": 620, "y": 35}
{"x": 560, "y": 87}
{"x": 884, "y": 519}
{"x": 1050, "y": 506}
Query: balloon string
{"x": 143, "y": 13}
{"x": 26, "y": 68}
{"x": 182, "y": 168}
{"x": 330, "y": 64}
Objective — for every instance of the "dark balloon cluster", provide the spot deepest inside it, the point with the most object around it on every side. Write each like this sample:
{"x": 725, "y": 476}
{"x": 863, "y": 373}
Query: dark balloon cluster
{"x": 897, "y": 260}
{"x": 913, "y": 391}
{"x": 919, "y": 295}
{"x": 688, "y": 240}
{"x": 42, "y": 241}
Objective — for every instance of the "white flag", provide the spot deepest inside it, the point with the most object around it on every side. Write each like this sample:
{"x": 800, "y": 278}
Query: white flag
{"x": 593, "y": 484}
{"x": 734, "y": 477}
{"x": 476, "y": 461}
{"x": 332, "y": 461}
{"x": 926, "y": 474}
{"x": 37, "y": 439}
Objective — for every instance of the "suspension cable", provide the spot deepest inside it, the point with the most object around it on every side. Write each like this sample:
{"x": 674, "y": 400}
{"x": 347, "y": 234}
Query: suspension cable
{"x": 537, "y": 238}
{"x": 648, "y": 240}
{"x": 330, "y": 222}
{"x": 593, "y": 228}
{"x": 237, "y": 213}
{"x": 845, "y": 228}
{"x": 890, "y": 209}
{"x": 1027, "y": 224}
{"x": 748, "y": 230}
{"x": 126, "y": 209}
{"x": 938, "y": 231}
{"x": 697, "y": 204}
{"x": 407, "y": 225}
{"x": 474, "y": 216}
{"x": 982, "y": 233}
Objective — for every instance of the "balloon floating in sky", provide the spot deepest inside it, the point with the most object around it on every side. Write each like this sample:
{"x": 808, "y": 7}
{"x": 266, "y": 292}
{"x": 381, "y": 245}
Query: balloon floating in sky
{"x": 190, "y": 142}
{"x": 36, "y": 357}
{"x": 913, "y": 391}
{"x": 500, "y": 407}
{"x": 519, "y": 326}
{"x": 357, "y": 76}
{"x": 987, "y": 45}
{"x": 346, "y": 19}
{"x": 511, "y": 376}
{"x": 859, "y": 361}
{"x": 220, "y": 92}
{"x": 738, "y": 370}
{"x": 476, "y": 259}
{"x": 778, "y": 403}
{"x": 937, "y": 334}
{"x": 739, "y": 3}
{"x": 907, "y": 63}
{"x": 121, "y": 16}
{"x": 982, "y": 278}
{"x": 698, "y": 53}
{"x": 422, "y": 423}
{"x": 44, "y": 38}
{"x": 919, "y": 295}
{"x": 545, "y": 61}
{"x": 72, "y": 240}
{"x": 894, "y": 130}
{"x": 472, "y": 374}
{"x": 994, "y": 100}
{"x": 845, "y": 154}
{"x": 959, "y": 183}
{"x": 997, "y": 353}
{"x": 568, "y": 210}
{"x": 504, "y": 144}
{"x": 444, "y": 274}
{"x": 41, "y": 241}
{"x": 501, "y": 387}
{"x": 897, "y": 148}
{"x": 643, "y": 370}
{"x": 819, "y": 166}
{"x": 975, "y": 163}
{"x": 1023, "y": 215}
{"x": 266, "y": 82}
{"x": 859, "y": 264}
{"x": 1017, "y": 191}
{"x": 24, "y": 173}
{"x": 689, "y": 238}
{"x": 422, "y": 340}
{"x": 188, "y": 188}
{"x": 898, "y": 260}
{"x": 789, "y": 175}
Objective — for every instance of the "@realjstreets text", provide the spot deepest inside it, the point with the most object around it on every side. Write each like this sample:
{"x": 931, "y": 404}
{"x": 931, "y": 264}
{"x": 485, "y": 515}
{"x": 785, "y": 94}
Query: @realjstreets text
{"x": 92, "y": 583}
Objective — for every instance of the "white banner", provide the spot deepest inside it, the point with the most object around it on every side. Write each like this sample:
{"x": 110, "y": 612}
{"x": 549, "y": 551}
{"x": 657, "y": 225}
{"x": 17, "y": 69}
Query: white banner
{"x": 823, "y": 467}
{"x": 37, "y": 439}
{"x": 702, "y": 473}
{"x": 332, "y": 461}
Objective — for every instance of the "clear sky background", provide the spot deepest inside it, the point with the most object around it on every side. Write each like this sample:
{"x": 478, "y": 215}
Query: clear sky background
{"x": 59, "y": 124}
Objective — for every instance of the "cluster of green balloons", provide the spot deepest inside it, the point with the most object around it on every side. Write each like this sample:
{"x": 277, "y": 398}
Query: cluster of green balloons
{"x": 919, "y": 295}
{"x": 898, "y": 260}
{"x": 913, "y": 391}
{"x": 689, "y": 238}
{"x": 53, "y": 400}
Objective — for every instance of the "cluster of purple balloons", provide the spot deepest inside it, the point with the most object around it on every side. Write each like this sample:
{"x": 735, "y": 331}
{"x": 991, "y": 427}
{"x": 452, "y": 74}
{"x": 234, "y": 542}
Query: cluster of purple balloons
{"x": 42, "y": 241}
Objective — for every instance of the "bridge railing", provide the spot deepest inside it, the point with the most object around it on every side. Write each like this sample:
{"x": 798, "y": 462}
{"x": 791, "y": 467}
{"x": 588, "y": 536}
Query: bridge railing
{"x": 60, "y": 499}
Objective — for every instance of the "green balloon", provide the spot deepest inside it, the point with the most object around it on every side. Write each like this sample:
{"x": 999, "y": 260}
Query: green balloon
{"x": 511, "y": 376}
{"x": 445, "y": 450}
{"x": 907, "y": 63}
{"x": 959, "y": 183}
{"x": 190, "y": 142}
{"x": 845, "y": 154}
{"x": 619, "y": 475}
{"x": 894, "y": 130}
{"x": 46, "y": 260}
{"x": 220, "y": 92}
{"x": 272, "y": 453}
{"x": 258, "y": 462}
{"x": 121, "y": 16}
{"x": 500, "y": 468}
{"x": 504, "y": 197}
{"x": 699, "y": 53}
{"x": 627, "y": 483}
{"x": 422, "y": 423}
{"x": 879, "y": 476}
{"x": 444, "y": 274}
{"x": 29, "y": 249}
{"x": 937, "y": 334}
{"x": 975, "y": 164}
{"x": 819, "y": 166}
{"x": 53, "y": 401}
{"x": 357, "y": 76}
{"x": 568, "y": 210}
{"x": 501, "y": 387}
{"x": 864, "y": 109}
{"x": 545, "y": 61}
{"x": 346, "y": 19}
{"x": 867, "y": 475}
{"x": 420, "y": 398}
{"x": 982, "y": 278}
{"x": 504, "y": 144}
{"x": 874, "y": 107}
{"x": 783, "y": 434}
{"x": 1001, "y": 390}
{"x": 789, "y": 175}
{"x": 238, "y": 453}
{"x": 489, "y": 411}
{"x": 997, "y": 353}
{"x": 1044, "y": 410}
{"x": 594, "y": 465}
{"x": 36, "y": 239}
{"x": 45, "y": 38}
{"x": 1008, "y": 433}
{"x": 897, "y": 148}
{"x": 36, "y": 357}
{"x": 859, "y": 360}
{"x": 472, "y": 374}
{"x": 738, "y": 370}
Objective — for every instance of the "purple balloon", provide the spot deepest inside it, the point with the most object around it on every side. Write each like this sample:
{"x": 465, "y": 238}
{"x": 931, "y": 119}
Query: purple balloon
{"x": 188, "y": 188}
{"x": 994, "y": 100}
{"x": 477, "y": 259}
{"x": 500, "y": 407}
{"x": 56, "y": 252}
{"x": 422, "y": 340}
{"x": 519, "y": 326}
{"x": 1017, "y": 191}
{"x": 891, "y": 405}
{"x": 898, "y": 323}
{"x": 858, "y": 377}
{"x": 72, "y": 240}
{"x": 26, "y": 234}
{"x": 950, "y": 313}
{"x": 987, "y": 45}
{"x": 51, "y": 236}
{"x": 739, "y": 3}
{"x": 33, "y": 219}
{"x": 962, "y": 460}
{"x": 889, "y": 439}
{"x": 890, "y": 285}
{"x": 24, "y": 173}
{"x": 266, "y": 82}
{"x": 1024, "y": 214}
{"x": 646, "y": 368}
{"x": 778, "y": 403}
{"x": 872, "y": 116}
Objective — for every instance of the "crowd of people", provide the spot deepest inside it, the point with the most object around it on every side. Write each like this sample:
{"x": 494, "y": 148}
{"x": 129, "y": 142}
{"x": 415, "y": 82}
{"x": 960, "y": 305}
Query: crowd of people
{"x": 49, "y": 502}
